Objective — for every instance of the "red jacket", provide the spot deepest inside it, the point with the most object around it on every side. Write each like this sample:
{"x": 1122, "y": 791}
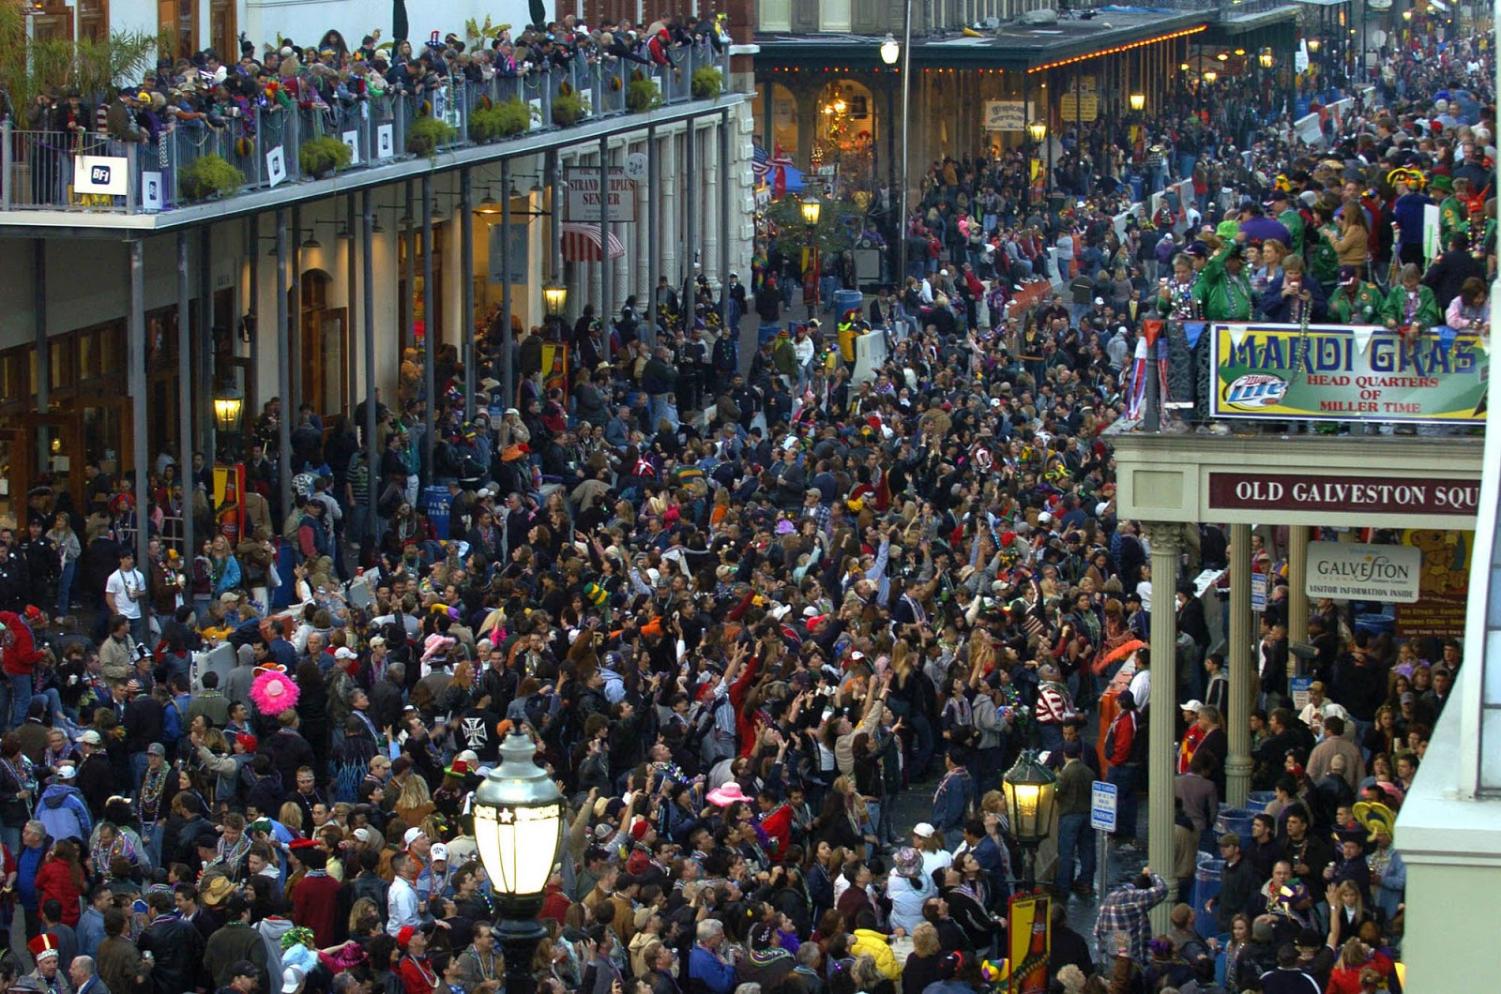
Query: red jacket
{"x": 778, "y": 828}
{"x": 21, "y": 655}
{"x": 315, "y": 905}
{"x": 1121, "y": 738}
{"x": 55, "y": 880}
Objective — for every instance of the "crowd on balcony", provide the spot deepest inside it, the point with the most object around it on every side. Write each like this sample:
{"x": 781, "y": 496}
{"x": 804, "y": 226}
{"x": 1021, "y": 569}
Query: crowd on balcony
{"x": 221, "y": 89}
{"x": 776, "y": 634}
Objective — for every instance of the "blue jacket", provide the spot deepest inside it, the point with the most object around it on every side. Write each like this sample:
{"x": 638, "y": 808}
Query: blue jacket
{"x": 952, "y": 800}
{"x": 63, "y": 811}
{"x": 715, "y": 974}
{"x": 28, "y": 862}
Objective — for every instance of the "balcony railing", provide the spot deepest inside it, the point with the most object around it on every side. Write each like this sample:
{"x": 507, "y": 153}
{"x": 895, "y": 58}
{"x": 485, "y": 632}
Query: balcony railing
{"x": 37, "y": 168}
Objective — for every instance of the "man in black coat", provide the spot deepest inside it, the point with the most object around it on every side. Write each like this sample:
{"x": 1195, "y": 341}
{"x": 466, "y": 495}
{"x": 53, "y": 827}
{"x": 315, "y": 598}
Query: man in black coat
{"x": 175, "y": 946}
{"x": 1450, "y": 270}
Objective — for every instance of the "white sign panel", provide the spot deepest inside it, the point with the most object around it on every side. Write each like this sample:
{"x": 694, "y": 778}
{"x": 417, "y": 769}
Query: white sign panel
{"x": 152, "y": 196}
{"x": 385, "y": 141}
{"x": 276, "y": 166}
{"x": 1308, "y": 130}
{"x": 584, "y": 193}
{"x": 1351, "y": 571}
{"x": 1005, "y": 115}
{"x": 106, "y": 174}
{"x": 1102, "y": 804}
{"x": 1431, "y": 227}
{"x": 352, "y": 139}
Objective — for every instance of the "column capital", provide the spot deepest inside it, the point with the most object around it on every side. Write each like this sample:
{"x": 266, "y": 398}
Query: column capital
{"x": 1165, "y": 536}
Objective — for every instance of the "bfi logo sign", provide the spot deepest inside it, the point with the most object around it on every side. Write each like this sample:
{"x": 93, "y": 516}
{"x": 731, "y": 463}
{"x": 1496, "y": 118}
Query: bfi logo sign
{"x": 102, "y": 174}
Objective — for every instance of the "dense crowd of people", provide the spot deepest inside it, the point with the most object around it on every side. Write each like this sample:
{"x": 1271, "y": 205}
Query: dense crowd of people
{"x": 744, "y": 610}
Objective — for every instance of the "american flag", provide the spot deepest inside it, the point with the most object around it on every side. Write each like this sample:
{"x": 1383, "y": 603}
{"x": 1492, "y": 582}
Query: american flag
{"x": 762, "y": 165}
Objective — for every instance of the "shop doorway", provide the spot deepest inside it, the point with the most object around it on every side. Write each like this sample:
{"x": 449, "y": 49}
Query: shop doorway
{"x": 325, "y": 346}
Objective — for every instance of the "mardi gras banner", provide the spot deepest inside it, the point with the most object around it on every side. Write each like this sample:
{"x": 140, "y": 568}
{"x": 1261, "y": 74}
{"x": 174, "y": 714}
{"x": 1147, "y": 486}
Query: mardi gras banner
{"x": 1281, "y": 372}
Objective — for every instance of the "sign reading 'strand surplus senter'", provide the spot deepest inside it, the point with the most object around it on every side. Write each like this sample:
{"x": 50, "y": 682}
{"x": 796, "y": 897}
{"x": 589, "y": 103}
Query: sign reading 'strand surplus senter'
{"x": 1281, "y": 372}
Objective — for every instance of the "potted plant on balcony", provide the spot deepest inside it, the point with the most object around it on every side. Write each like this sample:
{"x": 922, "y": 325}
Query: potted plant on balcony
{"x": 707, "y": 83}
{"x": 209, "y": 177}
{"x": 642, "y": 94}
{"x": 567, "y": 107}
{"x": 323, "y": 155}
{"x": 502, "y": 120}
{"x": 427, "y": 135}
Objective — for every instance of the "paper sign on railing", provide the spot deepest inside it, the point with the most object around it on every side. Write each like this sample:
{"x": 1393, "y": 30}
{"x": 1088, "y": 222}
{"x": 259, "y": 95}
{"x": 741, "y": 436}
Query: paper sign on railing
{"x": 276, "y": 166}
{"x": 535, "y": 106}
{"x": 151, "y": 192}
{"x": 385, "y": 141}
{"x": 352, "y": 139}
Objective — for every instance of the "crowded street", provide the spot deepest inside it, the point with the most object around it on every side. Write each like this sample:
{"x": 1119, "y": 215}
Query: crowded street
{"x": 788, "y": 636}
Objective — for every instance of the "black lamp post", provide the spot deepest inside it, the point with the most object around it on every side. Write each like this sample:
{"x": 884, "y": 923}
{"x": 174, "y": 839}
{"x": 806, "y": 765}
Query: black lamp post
{"x": 1030, "y": 789}
{"x": 518, "y": 825}
{"x": 228, "y": 406}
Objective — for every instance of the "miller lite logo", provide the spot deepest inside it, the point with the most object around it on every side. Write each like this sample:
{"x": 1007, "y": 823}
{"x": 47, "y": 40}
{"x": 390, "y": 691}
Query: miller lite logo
{"x": 1255, "y": 390}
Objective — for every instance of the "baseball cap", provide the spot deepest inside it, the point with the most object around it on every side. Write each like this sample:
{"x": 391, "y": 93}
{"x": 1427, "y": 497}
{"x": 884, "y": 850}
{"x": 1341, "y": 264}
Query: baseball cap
{"x": 439, "y": 852}
{"x": 412, "y": 835}
{"x": 156, "y": 749}
{"x": 1194, "y": 706}
{"x": 923, "y": 830}
{"x": 91, "y": 737}
{"x": 1347, "y": 276}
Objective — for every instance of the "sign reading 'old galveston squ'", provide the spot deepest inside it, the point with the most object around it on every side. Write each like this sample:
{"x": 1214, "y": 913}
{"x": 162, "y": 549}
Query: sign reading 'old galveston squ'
{"x": 1254, "y": 491}
{"x": 1283, "y": 372}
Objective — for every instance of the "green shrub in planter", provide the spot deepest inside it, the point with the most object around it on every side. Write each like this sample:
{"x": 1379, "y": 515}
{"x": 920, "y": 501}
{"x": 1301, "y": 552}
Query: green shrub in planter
{"x": 642, "y": 95}
{"x": 707, "y": 83}
{"x": 321, "y": 156}
{"x": 210, "y": 176}
{"x": 427, "y": 134}
{"x": 567, "y": 109}
{"x": 503, "y": 120}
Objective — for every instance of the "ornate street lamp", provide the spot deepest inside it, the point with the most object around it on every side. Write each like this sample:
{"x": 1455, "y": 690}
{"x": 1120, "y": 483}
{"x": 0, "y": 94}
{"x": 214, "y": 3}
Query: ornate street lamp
{"x": 1029, "y": 790}
{"x": 1210, "y": 76}
{"x": 1138, "y": 101}
{"x": 811, "y": 210}
{"x": 891, "y": 50}
{"x": 228, "y": 406}
{"x": 1314, "y": 45}
{"x": 1266, "y": 58}
{"x": 1037, "y": 130}
{"x": 518, "y": 825}
{"x": 555, "y": 299}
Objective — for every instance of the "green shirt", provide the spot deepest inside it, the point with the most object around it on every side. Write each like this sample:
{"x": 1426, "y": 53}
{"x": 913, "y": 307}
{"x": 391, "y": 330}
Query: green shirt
{"x": 1324, "y": 263}
{"x": 1425, "y": 316}
{"x": 1293, "y": 222}
{"x": 1365, "y": 308}
{"x": 1453, "y": 216}
{"x": 1221, "y": 296}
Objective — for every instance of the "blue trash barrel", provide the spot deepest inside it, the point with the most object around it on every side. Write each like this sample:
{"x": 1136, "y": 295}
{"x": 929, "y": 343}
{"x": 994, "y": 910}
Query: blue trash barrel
{"x": 435, "y": 506}
{"x": 1206, "y": 885}
{"x": 766, "y": 333}
{"x": 845, "y": 300}
{"x": 1237, "y": 820}
{"x": 1259, "y": 799}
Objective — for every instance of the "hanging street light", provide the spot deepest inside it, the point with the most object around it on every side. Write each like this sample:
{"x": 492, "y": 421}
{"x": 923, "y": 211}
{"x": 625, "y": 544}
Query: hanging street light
{"x": 891, "y": 50}
{"x": 1138, "y": 101}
